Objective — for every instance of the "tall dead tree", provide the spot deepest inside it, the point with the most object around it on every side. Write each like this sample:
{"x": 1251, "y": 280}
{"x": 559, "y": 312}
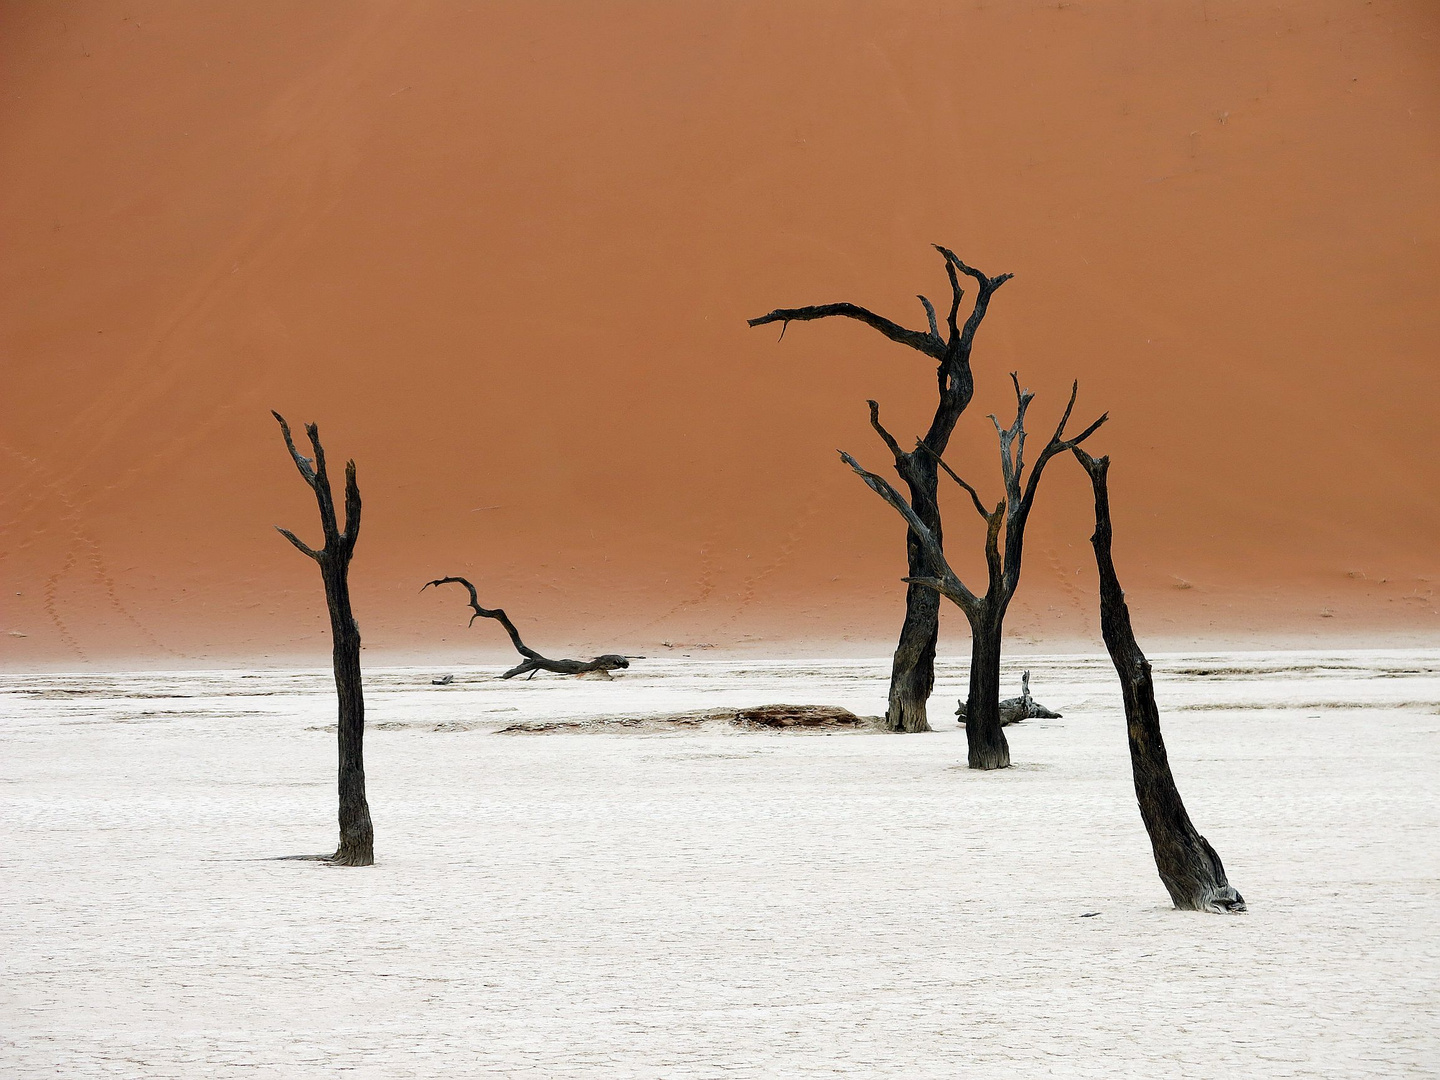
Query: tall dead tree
{"x": 986, "y": 611}
{"x": 912, "y": 676}
{"x": 357, "y": 836}
{"x": 1188, "y": 865}
{"x": 532, "y": 661}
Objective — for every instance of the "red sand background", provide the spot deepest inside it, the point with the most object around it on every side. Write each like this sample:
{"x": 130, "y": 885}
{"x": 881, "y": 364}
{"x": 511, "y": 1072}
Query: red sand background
{"x": 504, "y": 254}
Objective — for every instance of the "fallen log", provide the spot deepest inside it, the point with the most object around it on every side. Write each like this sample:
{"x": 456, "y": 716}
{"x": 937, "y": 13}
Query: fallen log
{"x": 1015, "y": 709}
{"x": 533, "y": 661}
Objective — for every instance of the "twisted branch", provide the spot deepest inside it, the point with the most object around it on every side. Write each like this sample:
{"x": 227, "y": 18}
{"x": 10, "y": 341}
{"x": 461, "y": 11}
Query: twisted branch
{"x": 533, "y": 661}
{"x": 946, "y": 581}
{"x": 312, "y": 470}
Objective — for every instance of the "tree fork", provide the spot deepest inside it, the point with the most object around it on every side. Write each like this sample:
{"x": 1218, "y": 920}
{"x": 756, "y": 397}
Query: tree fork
{"x": 912, "y": 675}
{"x": 986, "y": 742}
{"x": 1188, "y": 865}
{"x": 357, "y": 835}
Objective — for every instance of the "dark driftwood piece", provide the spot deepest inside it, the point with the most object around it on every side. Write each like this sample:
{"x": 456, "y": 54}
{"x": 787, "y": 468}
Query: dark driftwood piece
{"x": 357, "y": 836}
{"x": 1015, "y": 709}
{"x": 986, "y": 613}
{"x": 533, "y": 661}
{"x": 912, "y": 675}
{"x": 1188, "y": 865}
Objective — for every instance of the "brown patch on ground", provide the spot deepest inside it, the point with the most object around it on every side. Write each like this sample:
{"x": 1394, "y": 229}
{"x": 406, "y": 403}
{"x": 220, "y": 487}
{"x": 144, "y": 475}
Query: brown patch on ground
{"x": 756, "y": 718}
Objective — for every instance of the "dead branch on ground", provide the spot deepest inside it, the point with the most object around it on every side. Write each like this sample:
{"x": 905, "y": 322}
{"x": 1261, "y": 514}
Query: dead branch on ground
{"x": 533, "y": 661}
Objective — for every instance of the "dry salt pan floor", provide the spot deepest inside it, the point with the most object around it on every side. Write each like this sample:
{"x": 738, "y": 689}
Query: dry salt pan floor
{"x": 709, "y": 904}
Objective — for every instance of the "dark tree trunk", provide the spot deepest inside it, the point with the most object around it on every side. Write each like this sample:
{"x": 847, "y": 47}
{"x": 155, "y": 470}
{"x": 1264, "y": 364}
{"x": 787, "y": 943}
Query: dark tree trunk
{"x": 984, "y": 732}
{"x": 986, "y": 613}
{"x": 357, "y": 835}
{"x": 912, "y": 673}
{"x": 1188, "y": 865}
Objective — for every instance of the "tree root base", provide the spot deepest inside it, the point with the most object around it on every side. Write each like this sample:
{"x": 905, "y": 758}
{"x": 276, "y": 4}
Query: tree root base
{"x": 988, "y": 759}
{"x": 336, "y": 858}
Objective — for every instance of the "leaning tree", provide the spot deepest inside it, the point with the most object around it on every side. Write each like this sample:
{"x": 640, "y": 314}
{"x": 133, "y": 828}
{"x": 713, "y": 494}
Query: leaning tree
{"x": 1188, "y": 865}
{"x": 357, "y": 837}
{"x": 985, "y": 611}
{"x": 913, "y": 671}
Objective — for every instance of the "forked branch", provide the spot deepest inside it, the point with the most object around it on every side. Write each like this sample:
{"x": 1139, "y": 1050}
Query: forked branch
{"x": 945, "y": 581}
{"x": 1021, "y": 489}
{"x": 953, "y": 348}
{"x": 312, "y": 470}
{"x": 533, "y": 661}
{"x": 966, "y": 337}
{"x": 1011, "y": 513}
{"x": 920, "y": 444}
{"x": 927, "y": 343}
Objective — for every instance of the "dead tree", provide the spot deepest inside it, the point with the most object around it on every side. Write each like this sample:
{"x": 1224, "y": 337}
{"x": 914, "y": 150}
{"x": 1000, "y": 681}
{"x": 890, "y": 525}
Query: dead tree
{"x": 912, "y": 675}
{"x": 357, "y": 837}
{"x": 985, "y": 612}
{"x": 1188, "y": 865}
{"x": 533, "y": 661}
{"x": 1015, "y": 709}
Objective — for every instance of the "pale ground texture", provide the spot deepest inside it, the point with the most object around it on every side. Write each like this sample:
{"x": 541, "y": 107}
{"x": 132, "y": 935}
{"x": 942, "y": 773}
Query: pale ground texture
{"x": 717, "y": 904}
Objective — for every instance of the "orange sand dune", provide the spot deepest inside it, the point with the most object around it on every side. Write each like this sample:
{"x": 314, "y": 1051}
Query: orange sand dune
{"x": 504, "y": 254}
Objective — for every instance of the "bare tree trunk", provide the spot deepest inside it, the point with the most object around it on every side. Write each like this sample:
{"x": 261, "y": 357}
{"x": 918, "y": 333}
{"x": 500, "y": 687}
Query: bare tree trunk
{"x": 984, "y": 733}
{"x": 912, "y": 673}
{"x": 1188, "y": 865}
{"x": 912, "y": 670}
{"x": 357, "y": 835}
{"x": 986, "y": 613}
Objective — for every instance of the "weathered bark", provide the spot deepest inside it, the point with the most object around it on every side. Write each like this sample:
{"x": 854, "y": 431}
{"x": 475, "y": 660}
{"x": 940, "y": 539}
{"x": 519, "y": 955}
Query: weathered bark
{"x": 986, "y": 613}
{"x": 1188, "y": 865}
{"x": 533, "y": 661}
{"x": 912, "y": 674}
{"x": 912, "y": 668}
{"x": 357, "y": 836}
{"x": 984, "y": 737}
{"x": 1015, "y": 709}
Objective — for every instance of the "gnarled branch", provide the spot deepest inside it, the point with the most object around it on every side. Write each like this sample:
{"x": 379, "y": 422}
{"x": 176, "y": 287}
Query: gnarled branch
{"x": 338, "y": 544}
{"x": 988, "y": 285}
{"x": 1059, "y": 444}
{"x": 944, "y": 580}
{"x": 901, "y": 458}
{"x": 930, "y": 315}
{"x": 916, "y": 339}
{"x": 304, "y": 548}
{"x": 533, "y": 661}
{"x": 304, "y": 464}
{"x": 974, "y": 495}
